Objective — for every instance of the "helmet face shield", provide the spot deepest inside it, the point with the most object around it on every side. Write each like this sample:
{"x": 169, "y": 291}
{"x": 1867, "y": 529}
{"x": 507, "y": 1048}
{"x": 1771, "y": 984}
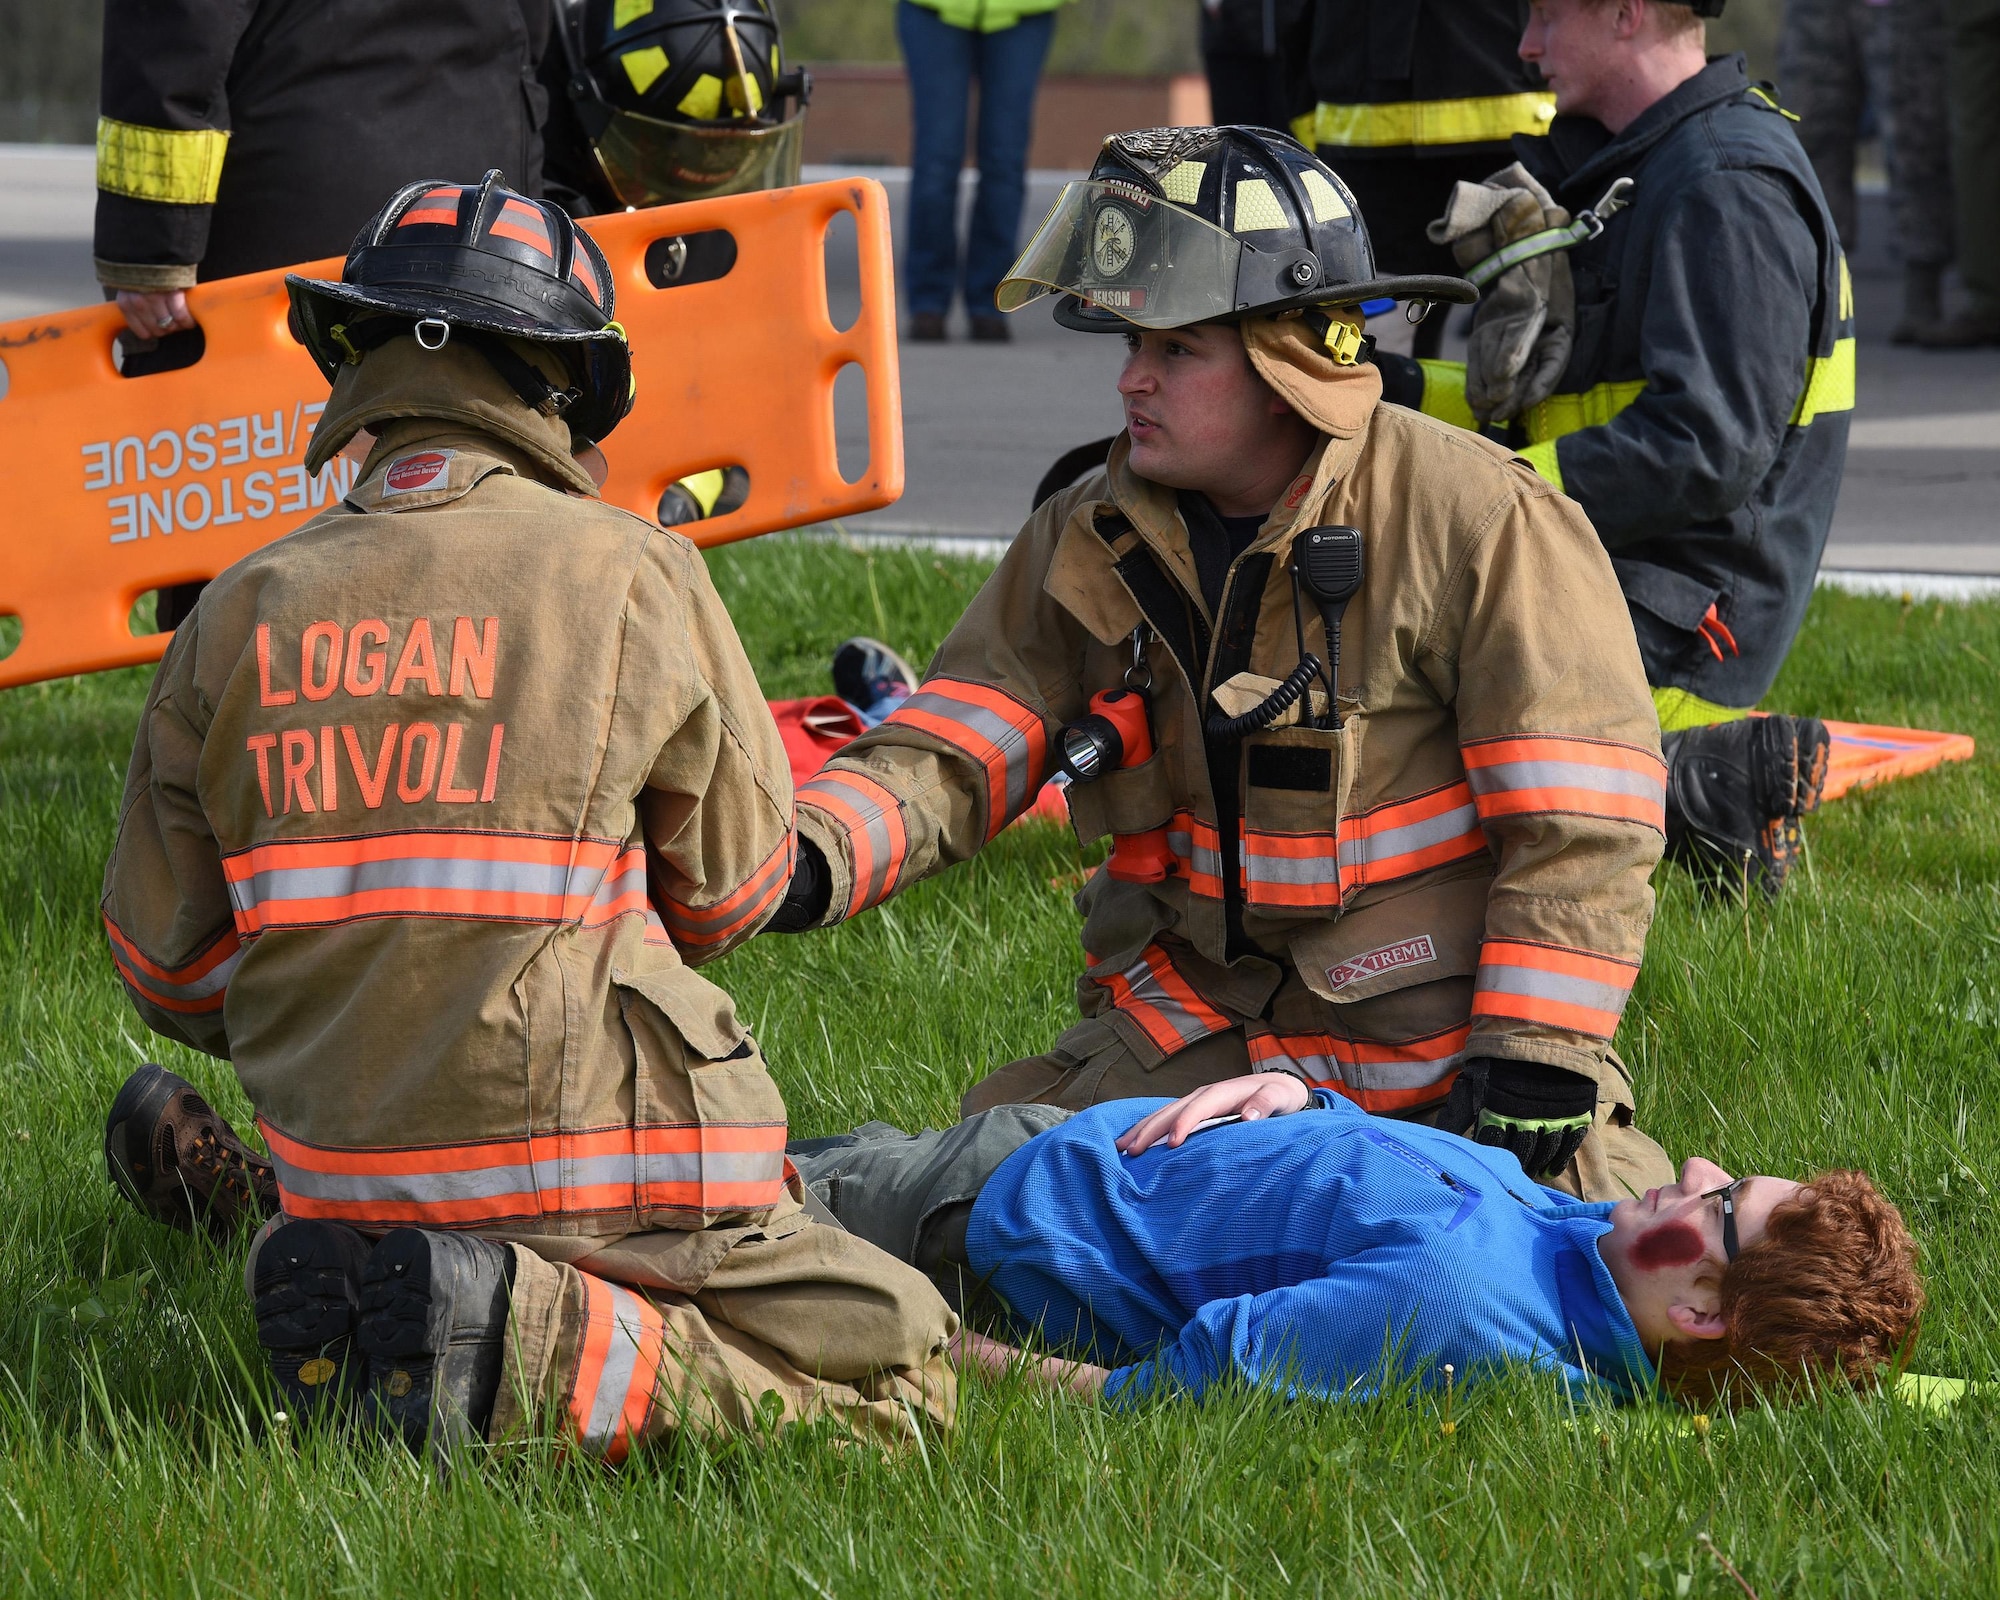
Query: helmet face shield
{"x": 1178, "y": 226}
{"x": 1123, "y": 250}
{"x": 649, "y": 162}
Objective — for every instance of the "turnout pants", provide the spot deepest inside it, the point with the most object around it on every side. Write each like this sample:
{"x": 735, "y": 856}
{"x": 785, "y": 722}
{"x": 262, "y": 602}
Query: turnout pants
{"x": 615, "y": 1343}
{"x": 1116, "y": 1053}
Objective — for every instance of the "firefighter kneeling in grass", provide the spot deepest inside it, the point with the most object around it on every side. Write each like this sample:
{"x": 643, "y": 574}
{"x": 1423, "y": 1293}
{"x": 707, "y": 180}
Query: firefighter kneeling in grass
{"x": 1427, "y": 890}
{"x": 434, "y": 805}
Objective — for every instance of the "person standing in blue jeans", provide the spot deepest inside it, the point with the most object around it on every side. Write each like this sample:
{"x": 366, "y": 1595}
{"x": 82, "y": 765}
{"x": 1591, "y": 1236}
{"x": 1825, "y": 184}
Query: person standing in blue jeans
{"x": 946, "y": 44}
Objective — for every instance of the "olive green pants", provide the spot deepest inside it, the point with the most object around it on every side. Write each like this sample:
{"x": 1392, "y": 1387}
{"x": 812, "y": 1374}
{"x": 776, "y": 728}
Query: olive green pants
{"x": 912, "y": 1193}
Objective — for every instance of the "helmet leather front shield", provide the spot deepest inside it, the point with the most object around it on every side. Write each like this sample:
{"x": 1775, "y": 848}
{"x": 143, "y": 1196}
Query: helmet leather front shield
{"x": 649, "y": 162}
{"x": 1126, "y": 251}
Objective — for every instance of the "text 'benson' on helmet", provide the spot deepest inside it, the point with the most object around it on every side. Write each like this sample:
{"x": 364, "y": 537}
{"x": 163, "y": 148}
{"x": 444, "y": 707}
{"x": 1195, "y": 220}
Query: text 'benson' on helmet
{"x": 1176, "y": 226}
{"x": 473, "y": 262}
{"x": 684, "y": 99}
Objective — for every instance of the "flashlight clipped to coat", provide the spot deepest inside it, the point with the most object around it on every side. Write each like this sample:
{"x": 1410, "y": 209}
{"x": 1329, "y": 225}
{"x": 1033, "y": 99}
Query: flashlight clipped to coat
{"x": 1116, "y": 734}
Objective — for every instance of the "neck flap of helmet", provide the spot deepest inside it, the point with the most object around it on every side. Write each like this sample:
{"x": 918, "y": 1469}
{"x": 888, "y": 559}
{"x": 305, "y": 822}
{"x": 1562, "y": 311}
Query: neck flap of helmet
{"x": 452, "y": 383}
{"x": 1293, "y": 354}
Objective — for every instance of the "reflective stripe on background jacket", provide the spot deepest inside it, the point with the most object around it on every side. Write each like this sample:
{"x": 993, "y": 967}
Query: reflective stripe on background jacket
{"x": 434, "y": 803}
{"x": 1461, "y": 869}
{"x": 240, "y": 135}
{"x": 1702, "y": 422}
{"x": 1406, "y": 77}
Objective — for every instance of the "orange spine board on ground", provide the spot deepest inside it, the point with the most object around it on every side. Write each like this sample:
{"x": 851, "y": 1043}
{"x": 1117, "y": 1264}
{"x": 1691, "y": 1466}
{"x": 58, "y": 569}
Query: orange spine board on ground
{"x": 1864, "y": 753}
{"x": 111, "y": 486}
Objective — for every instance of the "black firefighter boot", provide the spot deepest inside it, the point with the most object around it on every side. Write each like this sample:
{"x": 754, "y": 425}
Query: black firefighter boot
{"x": 306, "y": 1281}
{"x": 175, "y": 1158}
{"x": 1735, "y": 793}
{"x": 433, "y": 1327}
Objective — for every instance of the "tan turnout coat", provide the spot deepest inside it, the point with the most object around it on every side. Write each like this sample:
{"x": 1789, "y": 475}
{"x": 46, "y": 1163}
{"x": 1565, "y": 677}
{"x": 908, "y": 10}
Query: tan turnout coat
{"x": 435, "y": 806}
{"x": 1462, "y": 869}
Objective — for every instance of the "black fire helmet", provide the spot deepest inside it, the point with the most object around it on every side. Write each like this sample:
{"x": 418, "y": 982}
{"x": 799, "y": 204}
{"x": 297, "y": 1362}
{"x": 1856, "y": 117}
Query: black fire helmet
{"x": 1176, "y": 226}
{"x": 472, "y": 261}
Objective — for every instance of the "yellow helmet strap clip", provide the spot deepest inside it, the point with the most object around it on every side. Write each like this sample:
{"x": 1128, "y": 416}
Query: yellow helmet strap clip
{"x": 1339, "y": 329}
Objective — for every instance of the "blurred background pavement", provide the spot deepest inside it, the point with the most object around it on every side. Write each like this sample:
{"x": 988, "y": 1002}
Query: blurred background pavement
{"x": 983, "y": 422}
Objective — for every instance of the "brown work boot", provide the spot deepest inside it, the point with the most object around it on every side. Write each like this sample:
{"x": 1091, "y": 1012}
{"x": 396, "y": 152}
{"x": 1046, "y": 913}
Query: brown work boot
{"x": 174, "y": 1157}
{"x": 927, "y": 327}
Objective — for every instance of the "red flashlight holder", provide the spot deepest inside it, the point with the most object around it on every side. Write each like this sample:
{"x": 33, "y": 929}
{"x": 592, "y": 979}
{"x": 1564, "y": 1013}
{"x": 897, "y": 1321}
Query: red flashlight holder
{"x": 1135, "y": 857}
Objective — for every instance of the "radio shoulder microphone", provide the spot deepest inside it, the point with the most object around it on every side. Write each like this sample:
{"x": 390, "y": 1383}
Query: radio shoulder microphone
{"x": 1329, "y": 561}
{"x": 1328, "y": 565}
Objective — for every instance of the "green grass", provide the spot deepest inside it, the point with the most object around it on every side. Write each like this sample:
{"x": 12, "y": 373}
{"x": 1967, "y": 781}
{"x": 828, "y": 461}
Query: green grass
{"x": 1858, "y": 1021}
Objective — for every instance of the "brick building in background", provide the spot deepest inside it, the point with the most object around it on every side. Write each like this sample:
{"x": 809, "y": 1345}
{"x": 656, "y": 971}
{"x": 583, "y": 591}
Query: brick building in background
{"x": 861, "y": 114}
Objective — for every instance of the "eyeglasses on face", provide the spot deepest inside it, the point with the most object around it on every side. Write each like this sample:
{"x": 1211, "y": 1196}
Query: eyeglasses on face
{"x": 1727, "y": 1194}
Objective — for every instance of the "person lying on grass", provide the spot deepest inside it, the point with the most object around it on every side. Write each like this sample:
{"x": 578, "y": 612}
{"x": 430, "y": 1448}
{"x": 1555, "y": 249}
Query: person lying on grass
{"x": 1175, "y": 1245}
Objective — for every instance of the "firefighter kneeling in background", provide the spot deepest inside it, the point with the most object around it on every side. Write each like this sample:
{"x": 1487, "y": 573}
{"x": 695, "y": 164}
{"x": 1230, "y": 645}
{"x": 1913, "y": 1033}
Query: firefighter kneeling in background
{"x": 1428, "y": 891}
{"x": 1668, "y": 325}
{"x": 433, "y": 807}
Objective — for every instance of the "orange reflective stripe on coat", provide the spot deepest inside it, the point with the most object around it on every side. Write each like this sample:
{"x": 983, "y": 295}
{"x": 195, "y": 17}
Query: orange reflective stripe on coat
{"x": 696, "y": 927}
{"x": 201, "y": 985}
{"x": 1004, "y": 736}
{"x": 1314, "y": 872}
{"x": 1163, "y": 1002}
{"x": 1551, "y": 985}
{"x": 702, "y": 1169}
{"x": 482, "y": 876}
{"x": 1534, "y": 773}
{"x": 873, "y": 822}
{"x": 1197, "y": 850}
{"x": 1409, "y": 836}
{"x": 617, "y": 1369}
{"x": 1375, "y": 1075}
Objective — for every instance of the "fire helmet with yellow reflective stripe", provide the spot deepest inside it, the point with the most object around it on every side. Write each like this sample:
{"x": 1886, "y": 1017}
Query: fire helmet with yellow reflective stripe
{"x": 479, "y": 263}
{"x": 1176, "y": 226}
{"x": 684, "y": 99}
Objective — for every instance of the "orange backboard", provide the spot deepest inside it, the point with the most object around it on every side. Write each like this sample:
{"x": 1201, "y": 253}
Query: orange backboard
{"x": 111, "y": 486}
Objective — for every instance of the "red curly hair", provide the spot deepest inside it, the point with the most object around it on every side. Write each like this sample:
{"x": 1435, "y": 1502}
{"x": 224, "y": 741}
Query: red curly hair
{"x": 1829, "y": 1294}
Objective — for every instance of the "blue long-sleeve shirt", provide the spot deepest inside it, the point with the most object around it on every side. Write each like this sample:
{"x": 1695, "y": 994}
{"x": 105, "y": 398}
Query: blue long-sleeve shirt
{"x": 1299, "y": 1250}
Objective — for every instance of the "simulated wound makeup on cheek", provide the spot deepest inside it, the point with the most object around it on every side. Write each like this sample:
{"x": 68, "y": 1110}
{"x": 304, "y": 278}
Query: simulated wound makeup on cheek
{"x": 1671, "y": 1244}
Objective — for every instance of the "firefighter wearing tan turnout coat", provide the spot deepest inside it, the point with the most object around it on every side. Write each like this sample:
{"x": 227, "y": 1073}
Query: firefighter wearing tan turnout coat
{"x": 1457, "y": 873}
{"x": 435, "y": 806}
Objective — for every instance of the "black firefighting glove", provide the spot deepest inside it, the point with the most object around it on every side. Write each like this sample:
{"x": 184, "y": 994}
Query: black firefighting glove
{"x": 805, "y": 902}
{"x": 1537, "y": 1113}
